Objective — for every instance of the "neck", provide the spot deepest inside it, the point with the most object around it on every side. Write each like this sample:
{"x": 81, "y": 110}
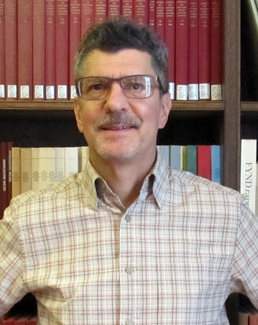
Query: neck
{"x": 123, "y": 178}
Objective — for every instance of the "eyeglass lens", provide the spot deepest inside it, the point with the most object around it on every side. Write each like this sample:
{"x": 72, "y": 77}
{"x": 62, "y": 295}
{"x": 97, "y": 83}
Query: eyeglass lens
{"x": 93, "y": 88}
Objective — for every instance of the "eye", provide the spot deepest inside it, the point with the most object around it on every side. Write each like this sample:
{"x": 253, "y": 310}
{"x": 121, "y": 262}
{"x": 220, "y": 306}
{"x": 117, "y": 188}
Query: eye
{"x": 97, "y": 86}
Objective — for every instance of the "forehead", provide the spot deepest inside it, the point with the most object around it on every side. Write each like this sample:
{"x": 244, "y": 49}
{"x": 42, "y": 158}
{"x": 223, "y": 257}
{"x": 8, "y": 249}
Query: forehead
{"x": 118, "y": 64}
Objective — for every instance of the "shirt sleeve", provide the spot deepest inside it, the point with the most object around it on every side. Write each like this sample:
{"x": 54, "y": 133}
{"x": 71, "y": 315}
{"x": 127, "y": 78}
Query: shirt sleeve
{"x": 12, "y": 288}
{"x": 245, "y": 264}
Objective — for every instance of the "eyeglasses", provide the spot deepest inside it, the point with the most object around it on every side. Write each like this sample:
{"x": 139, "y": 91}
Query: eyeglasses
{"x": 96, "y": 88}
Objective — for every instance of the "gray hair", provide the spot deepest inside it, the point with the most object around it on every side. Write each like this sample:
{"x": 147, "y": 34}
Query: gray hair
{"x": 119, "y": 33}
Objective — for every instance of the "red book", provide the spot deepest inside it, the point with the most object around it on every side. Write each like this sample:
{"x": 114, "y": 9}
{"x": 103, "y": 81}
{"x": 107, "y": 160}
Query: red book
{"x": 62, "y": 48}
{"x": 127, "y": 8}
{"x": 39, "y": 49}
{"x": 253, "y": 319}
{"x": 100, "y": 11}
{"x": 114, "y": 8}
{"x": 170, "y": 43}
{"x": 152, "y": 14}
{"x": 2, "y": 55}
{"x": 7, "y": 320}
{"x": 11, "y": 54}
{"x": 87, "y": 15}
{"x": 74, "y": 40}
{"x": 204, "y": 50}
{"x": 50, "y": 79}
{"x": 160, "y": 17}
{"x": 204, "y": 161}
{"x": 193, "y": 80}
{"x": 181, "y": 50}
{"x": 32, "y": 321}
{"x": 216, "y": 49}
{"x": 141, "y": 11}
{"x": 25, "y": 55}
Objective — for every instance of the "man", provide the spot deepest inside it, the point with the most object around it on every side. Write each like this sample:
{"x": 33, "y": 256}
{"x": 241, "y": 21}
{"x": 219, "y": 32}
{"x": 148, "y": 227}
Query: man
{"x": 127, "y": 241}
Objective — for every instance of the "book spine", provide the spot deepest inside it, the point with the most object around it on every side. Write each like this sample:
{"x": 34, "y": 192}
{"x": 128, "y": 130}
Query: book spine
{"x": 170, "y": 43}
{"x": 216, "y": 166}
{"x": 252, "y": 320}
{"x": 175, "y": 157}
{"x": 2, "y": 54}
{"x": 35, "y": 169}
{"x": 62, "y": 49}
{"x": 152, "y": 14}
{"x": 114, "y": 8}
{"x": 248, "y": 172}
{"x": 141, "y": 11}
{"x": 25, "y": 55}
{"x": 204, "y": 161}
{"x": 71, "y": 161}
{"x": 160, "y": 18}
{"x": 16, "y": 172}
{"x": 87, "y": 15}
{"x": 216, "y": 49}
{"x": 9, "y": 146}
{"x": 74, "y": 40}
{"x": 204, "y": 50}
{"x": 11, "y": 49}
{"x": 193, "y": 80}
{"x": 191, "y": 158}
{"x": 39, "y": 49}
{"x": 181, "y": 50}
{"x": 50, "y": 50}
{"x": 25, "y": 154}
{"x": 127, "y": 8}
{"x": 100, "y": 11}
{"x": 3, "y": 176}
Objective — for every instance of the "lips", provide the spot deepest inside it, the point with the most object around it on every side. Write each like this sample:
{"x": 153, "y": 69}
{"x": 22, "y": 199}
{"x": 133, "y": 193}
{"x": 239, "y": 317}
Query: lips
{"x": 117, "y": 127}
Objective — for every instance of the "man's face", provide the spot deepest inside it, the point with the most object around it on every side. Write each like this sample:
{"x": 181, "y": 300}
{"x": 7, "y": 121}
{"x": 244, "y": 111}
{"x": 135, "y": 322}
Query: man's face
{"x": 117, "y": 127}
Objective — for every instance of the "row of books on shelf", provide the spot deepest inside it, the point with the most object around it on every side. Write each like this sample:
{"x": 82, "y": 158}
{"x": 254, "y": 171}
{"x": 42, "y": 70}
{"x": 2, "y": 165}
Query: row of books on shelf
{"x": 12, "y": 320}
{"x": 41, "y": 37}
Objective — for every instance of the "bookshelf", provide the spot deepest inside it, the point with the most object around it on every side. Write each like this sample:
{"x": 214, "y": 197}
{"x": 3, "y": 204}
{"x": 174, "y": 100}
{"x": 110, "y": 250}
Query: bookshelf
{"x": 47, "y": 123}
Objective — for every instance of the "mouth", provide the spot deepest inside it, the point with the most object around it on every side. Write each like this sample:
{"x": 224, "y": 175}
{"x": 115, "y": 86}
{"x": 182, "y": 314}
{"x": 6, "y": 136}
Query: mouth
{"x": 117, "y": 127}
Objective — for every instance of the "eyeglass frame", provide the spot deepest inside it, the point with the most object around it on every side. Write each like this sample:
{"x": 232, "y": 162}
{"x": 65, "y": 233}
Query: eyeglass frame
{"x": 111, "y": 80}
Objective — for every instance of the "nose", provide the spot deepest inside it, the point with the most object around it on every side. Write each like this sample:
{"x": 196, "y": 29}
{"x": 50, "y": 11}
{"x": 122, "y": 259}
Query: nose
{"x": 116, "y": 100}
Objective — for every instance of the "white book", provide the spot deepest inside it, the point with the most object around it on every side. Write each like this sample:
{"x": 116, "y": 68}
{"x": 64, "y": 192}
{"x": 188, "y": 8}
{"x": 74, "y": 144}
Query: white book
{"x": 82, "y": 152}
{"x": 248, "y": 172}
{"x": 165, "y": 153}
{"x": 47, "y": 166}
{"x": 60, "y": 163}
{"x": 16, "y": 171}
{"x": 71, "y": 161}
{"x": 25, "y": 169}
{"x": 35, "y": 169}
{"x": 175, "y": 157}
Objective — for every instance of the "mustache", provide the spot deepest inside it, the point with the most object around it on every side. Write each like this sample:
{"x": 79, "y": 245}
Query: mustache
{"x": 115, "y": 118}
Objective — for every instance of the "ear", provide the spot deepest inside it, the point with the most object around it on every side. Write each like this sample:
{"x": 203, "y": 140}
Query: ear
{"x": 78, "y": 114}
{"x": 165, "y": 109}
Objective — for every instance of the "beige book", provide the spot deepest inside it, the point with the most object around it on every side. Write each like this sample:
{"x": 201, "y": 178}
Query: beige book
{"x": 16, "y": 172}
{"x": 25, "y": 169}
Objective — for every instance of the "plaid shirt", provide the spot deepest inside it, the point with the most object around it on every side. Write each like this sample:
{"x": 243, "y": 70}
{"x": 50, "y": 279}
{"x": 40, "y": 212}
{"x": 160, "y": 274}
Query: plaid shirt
{"x": 172, "y": 257}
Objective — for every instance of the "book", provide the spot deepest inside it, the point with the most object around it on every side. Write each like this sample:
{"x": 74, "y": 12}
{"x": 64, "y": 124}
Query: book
{"x": 74, "y": 40}
{"x": 127, "y": 8}
{"x": 216, "y": 49}
{"x": 100, "y": 11}
{"x": 25, "y": 54}
{"x": 114, "y": 8}
{"x": 204, "y": 50}
{"x": 25, "y": 156}
{"x": 152, "y": 14}
{"x": 87, "y": 15}
{"x": 11, "y": 50}
{"x": 141, "y": 11}
{"x": 204, "y": 161}
{"x": 9, "y": 146}
{"x": 248, "y": 172}
{"x": 169, "y": 38}
{"x": 165, "y": 153}
{"x": 160, "y": 18}
{"x": 216, "y": 164}
{"x": 61, "y": 48}
{"x": 252, "y": 320}
{"x": 50, "y": 80}
{"x": 16, "y": 172}
{"x": 47, "y": 167}
{"x": 181, "y": 49}
{"x": 38, "y": 49}
{"x": 3, "y": 178}
{"x": 71, "y": 161}
{"x": 175, "y": 157}
{"x": 193, "y": 63}
{"x": 35, "y": 169}
{"x": 6, "y": 320}
{"x": 2, "y": 54}
{"x": 60, "y": 164}
{"x": 191, "y": 159}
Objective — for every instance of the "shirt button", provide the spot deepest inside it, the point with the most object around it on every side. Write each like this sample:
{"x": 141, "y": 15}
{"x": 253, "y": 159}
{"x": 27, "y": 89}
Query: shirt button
{"x": 128, "y": 218}
{"x": 129, "y": 322}
{"x": 129, "y": 270}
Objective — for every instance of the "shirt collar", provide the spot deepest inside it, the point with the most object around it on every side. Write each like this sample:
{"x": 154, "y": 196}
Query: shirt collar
{"x": 155, "y": 183}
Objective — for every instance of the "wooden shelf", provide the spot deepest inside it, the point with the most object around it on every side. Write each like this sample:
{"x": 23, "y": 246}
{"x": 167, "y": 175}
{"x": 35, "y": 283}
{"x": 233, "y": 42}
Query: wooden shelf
{"x": 68, "y": 105}
{"x": 249, "y": 106}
